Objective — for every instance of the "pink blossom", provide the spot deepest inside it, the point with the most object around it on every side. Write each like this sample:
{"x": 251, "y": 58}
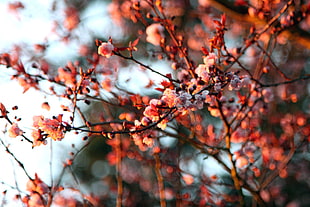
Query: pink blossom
{"x": 37, "y": 185}
{"x": 145, "y": 121}
{"x": 217, "y": 87}
{"x": 200, "y": 99}
{"x": 37, "y": 138}
{"x": 184, "y": 100}
{"x": 235, "y": 83}
{"x": 35, "y": 200}
{"x": 169, "y": 97}
{"x": 15, "y": 131}
{"x": 246, "y": 81}
{"x": 67, "y": 76}
{"x": 152, "y": 113}
{"x": 210, "y": 59}
{"x": 203, "y": 72}
{"x": 72, "y": 18}
{"x": 204, "y": 3}
{"x": 106, "y": 49}
{"x": 242, "y": 162}
{"x": 268, "y": 95}
{"x": 52, "y": 127}
{"x": 154, "y": 33}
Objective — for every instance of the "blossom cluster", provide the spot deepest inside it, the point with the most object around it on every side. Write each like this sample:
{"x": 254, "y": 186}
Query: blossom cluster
{"x": 37, "y": 189}
{"x": 45, "y": 127}
{"x": 209, "y": 73}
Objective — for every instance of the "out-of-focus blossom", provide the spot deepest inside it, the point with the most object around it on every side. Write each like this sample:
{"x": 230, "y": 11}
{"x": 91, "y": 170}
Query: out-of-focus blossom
{"x": 37, "y": 185}
{"x": 268, "y": 95}
{"x": 188, "y": 179}
{"x": 154, "y": 33}
{"x": 67, "y": 76}
{"x": 72, "y": 18}
{"x": 106, "y": 49}
{"x": 34, "y": 200}
{"x": 204, "y": 3}
{"x": 46, "y": 106}
{"x": 15, "y": 131}
{"x": 27, "y": 83}
{"x": 37, "y": 189}
{"x": 107, "y": 84}
{"x": 242, "y": 162}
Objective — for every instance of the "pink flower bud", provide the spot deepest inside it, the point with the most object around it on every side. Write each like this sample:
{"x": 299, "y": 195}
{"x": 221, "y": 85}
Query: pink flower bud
{"x": 106, "y": 49}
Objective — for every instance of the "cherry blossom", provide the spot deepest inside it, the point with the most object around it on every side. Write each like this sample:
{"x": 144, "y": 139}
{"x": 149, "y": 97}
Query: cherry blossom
{"x": 154, "y": 33}
{"x": 203, "y": 72}
{"x": 106, "y": 49}
{"x": 52, "y": 127}
{"x": 72, "y": 18}
{"x": 37, "y": 185}
{"x": 15, "y": 131}
{"x": 235, "y": 83}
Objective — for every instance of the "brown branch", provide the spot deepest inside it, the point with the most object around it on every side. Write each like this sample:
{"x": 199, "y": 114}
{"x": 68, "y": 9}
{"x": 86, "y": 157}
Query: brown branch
{"x": 144, "y": 66}
{"x": 160, "y": 181}
{"x": 233, "y": 171}
{"x": 284, "y": 82}
{"x": 119, "y": 179}
{"x": 15, "y": 158}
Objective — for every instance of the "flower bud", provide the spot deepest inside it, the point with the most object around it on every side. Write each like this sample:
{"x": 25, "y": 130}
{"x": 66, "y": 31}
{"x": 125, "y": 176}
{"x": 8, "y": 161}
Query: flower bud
{"x": 106, "y": 49}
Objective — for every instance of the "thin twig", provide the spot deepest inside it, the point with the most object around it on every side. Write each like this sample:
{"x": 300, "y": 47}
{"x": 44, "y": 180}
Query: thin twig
{"x": 15, "y": 158}
{"x": 305, "y": 77}
{"x": 144, "y": 66}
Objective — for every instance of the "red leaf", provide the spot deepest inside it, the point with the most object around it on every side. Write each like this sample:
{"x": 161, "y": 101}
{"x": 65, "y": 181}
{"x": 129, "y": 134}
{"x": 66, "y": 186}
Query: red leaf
{"x": 204, "y": 51}
{"x": 160, "y": 89}
{"x": 135, "y": 42}
{"x": 223, "y": 19}
{"x": 165, "y": 83}
{"x": 168, "y": 75}
{"x": 2, "y": 109}
{"x": 20, "y": 67}
{"x": 218, "y": 23}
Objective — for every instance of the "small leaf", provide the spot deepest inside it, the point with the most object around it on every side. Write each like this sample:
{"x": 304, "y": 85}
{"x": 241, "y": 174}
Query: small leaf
{"x": 204, "y": 51}
{"x": 135, "y": 42}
